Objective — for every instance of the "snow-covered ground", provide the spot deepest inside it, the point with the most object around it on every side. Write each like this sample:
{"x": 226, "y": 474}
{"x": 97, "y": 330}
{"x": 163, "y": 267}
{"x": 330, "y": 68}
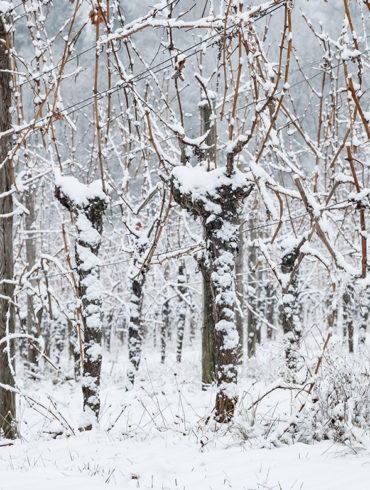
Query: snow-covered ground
{"x": 157, "y": 437}
{"x": 98, "y": 460}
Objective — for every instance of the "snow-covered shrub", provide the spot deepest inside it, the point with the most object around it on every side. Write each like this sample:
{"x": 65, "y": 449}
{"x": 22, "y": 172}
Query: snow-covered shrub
{"x": 339, "y": 407}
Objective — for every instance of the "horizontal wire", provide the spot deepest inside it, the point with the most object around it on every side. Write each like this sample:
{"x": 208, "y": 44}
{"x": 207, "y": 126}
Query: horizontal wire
{"x": 139, "y": 77}
{"x": 92, "y": 47}
{"x": 20, "y": 16}
{"x": 81, "y": 53}
{"x": 12, "y": 7}
{"x": 300, "y": 82}
{"x": 150, "y": 146}
{"x": 189, "y": 247}
{"x": 36, "y": 77}
{"x": 293, "y": 218}
{"x": 150, "y": 71}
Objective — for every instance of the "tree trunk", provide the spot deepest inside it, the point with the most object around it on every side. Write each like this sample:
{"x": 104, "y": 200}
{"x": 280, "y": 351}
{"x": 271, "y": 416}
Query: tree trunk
{"x": 290, "y": 311}
{"x": 193, "y": 320}
{"x": 347, "y": 316}
{"x": 164, "y": 329}
{"x": 58, "y": 333}
{"x": 226, "y": 335}
{"x": 208, "y": 326}
{"x": 364, "y": 317}
{"x": 74, "y": 350}
{"x": 218, "y": 206}
{"x": 44, "y": 323}
{"x": 259, "y": 304}
{"x": 135, "y": 335}
{"x": 108, "y": 327}
{"x": 91, "y": 318}
{"x": 252, "y": 291}
{"x": 88, "y": 214}
{"x": 208, "y": 354}
{"x": 7, "y": 395}
{"x": 31, "y": 323}
{"x": 121, "y": 331}
{"x": 239, "y": 290}
{"x": 181, "y": 278}
{"x": 155, "y": 327}
{"x": 269, "y": 309}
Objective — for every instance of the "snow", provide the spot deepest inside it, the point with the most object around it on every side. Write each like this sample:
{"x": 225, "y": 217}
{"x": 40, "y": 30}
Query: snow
{"x": 77, "y": 192}
{"x": 197, "y": 180}
{"x": 5, "y": 6}
{"x": 88, "y": 259}
{"x": 93, "y": 286}
{"x": 227, "y": 231}
{"x": 167, "y": 464}
{"x": 343, "y": 178}
{"x": 231, "y": 337}
{"x": 162, "y": 434}
{"x": 349, "y": 54}
{"x": 363, "y": 195}
{"x": 162, "y": 441}
{"x": 87, "y": 232}
{"x": 202, "y": 184}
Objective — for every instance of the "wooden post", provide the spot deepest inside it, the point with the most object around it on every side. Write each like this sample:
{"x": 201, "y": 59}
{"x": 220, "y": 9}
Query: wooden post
{"x": 181, "y": 309}
{"x": 239, "y": 290}
{"x": 31, "y": 323}
{"x": 252, "y": 290}
{"x": 7, "y": 397}
{"x": 208, "y": 356}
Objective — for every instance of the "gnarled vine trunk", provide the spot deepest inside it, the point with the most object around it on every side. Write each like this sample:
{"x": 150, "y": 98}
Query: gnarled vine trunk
{"x": 364, "y": 316}
{"x": 135, "y": 335}
{"x": 348, "y": 316}
{"x": 290, "y": 311}
{"x": 216, "y": 197}
{"x": 181, "y": 310}
{"x": 88, "y": 204}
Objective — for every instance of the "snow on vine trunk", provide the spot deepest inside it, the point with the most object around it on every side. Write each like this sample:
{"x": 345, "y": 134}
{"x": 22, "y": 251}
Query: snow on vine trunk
{"x": 216, "y": 197}
{"x": 290, "y": 311}
{"x": 137, "y": 276}
{"x": 364, "y": 316}
{"x": 135, "y": 336}
{"x": 181, "y": 309}
{"x": 87, "y": 203}
{"x": 348, "y": 315}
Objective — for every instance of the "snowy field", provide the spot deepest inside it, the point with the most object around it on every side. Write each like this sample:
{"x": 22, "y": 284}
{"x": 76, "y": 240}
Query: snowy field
{"x": 157, "y": 437}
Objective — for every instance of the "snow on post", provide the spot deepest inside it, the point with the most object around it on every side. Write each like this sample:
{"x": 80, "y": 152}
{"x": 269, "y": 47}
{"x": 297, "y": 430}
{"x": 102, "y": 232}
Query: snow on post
{"x": 87, "y": 203}
{"x": 216, "y": 198}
